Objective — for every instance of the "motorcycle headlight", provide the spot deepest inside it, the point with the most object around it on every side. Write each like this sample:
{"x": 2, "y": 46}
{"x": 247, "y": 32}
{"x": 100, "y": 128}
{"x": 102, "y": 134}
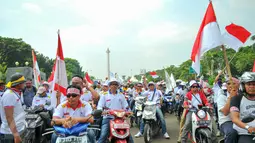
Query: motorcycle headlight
{"x": 201, "y": 114}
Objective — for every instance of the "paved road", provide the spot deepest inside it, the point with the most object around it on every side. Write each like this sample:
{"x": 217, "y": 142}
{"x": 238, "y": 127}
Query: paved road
{"x": 172, "y": 129}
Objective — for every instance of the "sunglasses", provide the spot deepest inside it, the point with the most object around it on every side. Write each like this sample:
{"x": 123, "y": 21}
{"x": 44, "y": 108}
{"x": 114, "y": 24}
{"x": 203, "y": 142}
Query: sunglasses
{"x": 194, "y": 86}
{"x": 73, "y": 95}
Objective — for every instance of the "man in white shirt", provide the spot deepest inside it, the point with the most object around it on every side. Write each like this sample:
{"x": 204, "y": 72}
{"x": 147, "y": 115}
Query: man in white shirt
{"x": 42, "y": 99}
{"x": 112, "y": 100}
{"x": 73, "y": 111}
{"x": 154, "y": 95}
{"x": 12, "y": 112}
{"x": 223, "y": 102}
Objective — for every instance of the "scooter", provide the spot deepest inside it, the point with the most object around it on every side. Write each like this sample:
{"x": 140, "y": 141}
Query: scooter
{"x": 201, "y": 125}
{"x": 152, "y": 125}
{"x": 119, "y": 127}
{"x": 168, "y": 104}
{"x": 139, "y": 102}
{"x": 37, "y": 124}
{"x": 249, "y": 119}
{"x": 77, "y": 133}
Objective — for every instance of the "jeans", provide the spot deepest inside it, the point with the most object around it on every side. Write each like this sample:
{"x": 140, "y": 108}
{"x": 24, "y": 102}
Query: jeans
{"x": 230, "y": 133}
{"x": 188, "y": 126}
{"x": 9, "y": 138}
{"x": 105, "y": 130}
{"x": 245, "y": 139}
{"x": 161, "y": 118}
{"x": 90, "y": 134}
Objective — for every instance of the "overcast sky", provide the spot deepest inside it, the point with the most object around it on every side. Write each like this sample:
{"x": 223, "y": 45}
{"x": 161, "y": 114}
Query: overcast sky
{"x": 141, "y": 34}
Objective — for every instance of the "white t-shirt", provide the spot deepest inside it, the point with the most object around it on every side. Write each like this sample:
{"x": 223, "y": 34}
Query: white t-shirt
{"x": 39, "y": 100}
{"x": 216, "y": 90}
{"x": 86, "y": 96}
{"x": 112, "y": 102}
{"x": 196, "y": 100}
{"x": 156, "y": 98}
{"x": 12, "y": 99}
{"x": 221, "y": 102}
{"x": 64, "y": 110}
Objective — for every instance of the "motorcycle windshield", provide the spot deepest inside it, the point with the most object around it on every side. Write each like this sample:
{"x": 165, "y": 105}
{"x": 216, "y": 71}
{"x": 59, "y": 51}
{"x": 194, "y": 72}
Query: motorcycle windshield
{"x": 75, "y": 130}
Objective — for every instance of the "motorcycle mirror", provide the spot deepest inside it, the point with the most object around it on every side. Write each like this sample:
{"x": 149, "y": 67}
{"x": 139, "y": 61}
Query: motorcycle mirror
{"x": 248, "y": 119}
{"x": 97, "y": 113}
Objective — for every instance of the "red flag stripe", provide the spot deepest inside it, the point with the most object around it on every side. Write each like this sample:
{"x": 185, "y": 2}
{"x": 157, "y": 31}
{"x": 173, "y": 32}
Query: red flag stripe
{"x": 238, "y": 31}
{"x": 88, "y": 78}
{"x": 59, "y": 50}
{"x": 60, "y": 88}
{"x": 208, "y": 18}
{"x": 253, "y": 70}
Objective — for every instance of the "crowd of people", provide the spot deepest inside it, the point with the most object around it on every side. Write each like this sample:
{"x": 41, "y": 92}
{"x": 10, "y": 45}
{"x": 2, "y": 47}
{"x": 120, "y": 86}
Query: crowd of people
{"x": 230, "y": 102}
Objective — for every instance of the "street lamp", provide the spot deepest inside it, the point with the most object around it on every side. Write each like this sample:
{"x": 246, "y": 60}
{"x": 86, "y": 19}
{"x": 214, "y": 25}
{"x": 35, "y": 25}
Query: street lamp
{"x": 26, "y": 63}
{"x": 17, "y": 64}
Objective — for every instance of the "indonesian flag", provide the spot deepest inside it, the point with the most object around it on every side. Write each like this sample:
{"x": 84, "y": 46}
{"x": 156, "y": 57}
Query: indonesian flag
{"x": 208, "y": 37}
{"x": 87, "y": 77}
{"x": 154, "y": 74}
{"x": 235, "y": 36}
{"x": 253, "y": 70}
{"x": 58, "y": 78}
{"x": 36, "y": 71}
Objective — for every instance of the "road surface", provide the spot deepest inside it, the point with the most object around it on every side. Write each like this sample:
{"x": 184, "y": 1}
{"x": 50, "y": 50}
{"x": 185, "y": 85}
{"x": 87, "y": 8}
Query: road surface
{"x": 172, "y": 126}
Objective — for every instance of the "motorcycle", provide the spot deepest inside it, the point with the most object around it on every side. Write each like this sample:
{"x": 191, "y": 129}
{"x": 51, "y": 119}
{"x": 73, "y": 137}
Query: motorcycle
{"x": 37, "y": 126}
{"x": 249, "y": 119}
{"x": 119, "y": 127}
{"x": 77, "y": 133}
{"x": 201, "y": 125}
{"x": 152, "y": 125}
{"x": 139, "y": 102}
{"x": 168, "y": 104}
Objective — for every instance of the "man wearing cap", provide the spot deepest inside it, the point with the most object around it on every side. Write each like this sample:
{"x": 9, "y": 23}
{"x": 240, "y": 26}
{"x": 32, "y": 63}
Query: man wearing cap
{"x": 104, "y": 89}
{"x": 46, "y": 85}
{"x": 191, "y": 102}
{"x": 223, "y": 102}
{"x": 73, "y": 111}
{"x": 13, "y": 114}
{"x": 42, "y": 99}
{"x": 112, "y": 100}
{"x": 154, "y": 95}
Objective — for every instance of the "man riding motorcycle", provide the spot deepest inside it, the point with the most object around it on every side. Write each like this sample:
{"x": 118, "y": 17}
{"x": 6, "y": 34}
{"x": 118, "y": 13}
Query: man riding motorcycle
{"x": 154, "y": 95}
{"x": 244, "y": 105}
{"x": 73, "y": 111}
{"x": 42, "y": 99}
{"x": 111, "y": 100}
{"x": 196, "y": 97}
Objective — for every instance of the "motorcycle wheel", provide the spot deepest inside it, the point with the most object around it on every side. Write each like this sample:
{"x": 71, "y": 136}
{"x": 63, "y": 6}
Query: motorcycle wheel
{"x": 170, "y": 110}
{"x": 147, "y": 133}
{"x": 203, "y": 139}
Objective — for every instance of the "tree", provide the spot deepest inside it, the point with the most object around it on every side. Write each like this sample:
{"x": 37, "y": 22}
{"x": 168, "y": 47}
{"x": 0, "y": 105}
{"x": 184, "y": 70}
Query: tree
{"x": 72, "y": 68}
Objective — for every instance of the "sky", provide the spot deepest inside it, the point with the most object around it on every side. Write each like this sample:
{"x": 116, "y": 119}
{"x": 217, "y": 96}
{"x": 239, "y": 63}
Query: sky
{"x": 141, "y": 34}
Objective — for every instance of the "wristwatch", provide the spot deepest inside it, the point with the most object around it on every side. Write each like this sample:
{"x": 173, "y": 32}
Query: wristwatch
{"x": 247, "y": 127}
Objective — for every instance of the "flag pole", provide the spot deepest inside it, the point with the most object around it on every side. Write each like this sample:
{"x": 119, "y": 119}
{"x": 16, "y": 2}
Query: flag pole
{"x": 58, "y": 61}
{"x": 227, "y": 63}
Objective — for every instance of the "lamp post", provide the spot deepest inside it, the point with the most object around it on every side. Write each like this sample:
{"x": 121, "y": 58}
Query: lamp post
{"x": 17, "y": 64}
{"x": 26, "y": 63}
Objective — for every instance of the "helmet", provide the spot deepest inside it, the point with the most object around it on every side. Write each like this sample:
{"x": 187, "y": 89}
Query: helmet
{"x": 245, "y": 78}
{"x": 113, "y": 80}
{"x": 17, "y": 79}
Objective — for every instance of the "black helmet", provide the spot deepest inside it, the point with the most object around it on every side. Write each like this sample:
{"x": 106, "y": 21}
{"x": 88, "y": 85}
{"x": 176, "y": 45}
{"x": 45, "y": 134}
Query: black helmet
{"x": 247, "y": 77}
{"x": 16, "y": 77}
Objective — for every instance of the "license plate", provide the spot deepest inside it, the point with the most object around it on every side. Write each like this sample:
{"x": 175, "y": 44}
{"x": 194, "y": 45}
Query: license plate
{"x": 121, "y": 126}
{"x": 72, "y": 139}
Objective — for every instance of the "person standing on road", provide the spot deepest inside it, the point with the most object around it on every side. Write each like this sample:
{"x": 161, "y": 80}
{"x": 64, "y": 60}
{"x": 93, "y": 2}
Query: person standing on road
{"x": 12, "y": 113}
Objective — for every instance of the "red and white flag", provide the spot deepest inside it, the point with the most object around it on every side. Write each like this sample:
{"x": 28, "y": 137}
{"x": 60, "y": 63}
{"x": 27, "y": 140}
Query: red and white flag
{"x": 87, "y": 77}
{"x": 154, "y": 74}
{"x": 253, "y": 70}
{"x": 235, "y": 36}
{"x": 36, "y": 71}
{"x": 208, "y": 37}
{"x": 58, "y": 78}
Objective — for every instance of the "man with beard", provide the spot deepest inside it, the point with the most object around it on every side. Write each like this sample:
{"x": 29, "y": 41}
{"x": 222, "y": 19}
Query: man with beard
{"x": 28, "y": 93}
